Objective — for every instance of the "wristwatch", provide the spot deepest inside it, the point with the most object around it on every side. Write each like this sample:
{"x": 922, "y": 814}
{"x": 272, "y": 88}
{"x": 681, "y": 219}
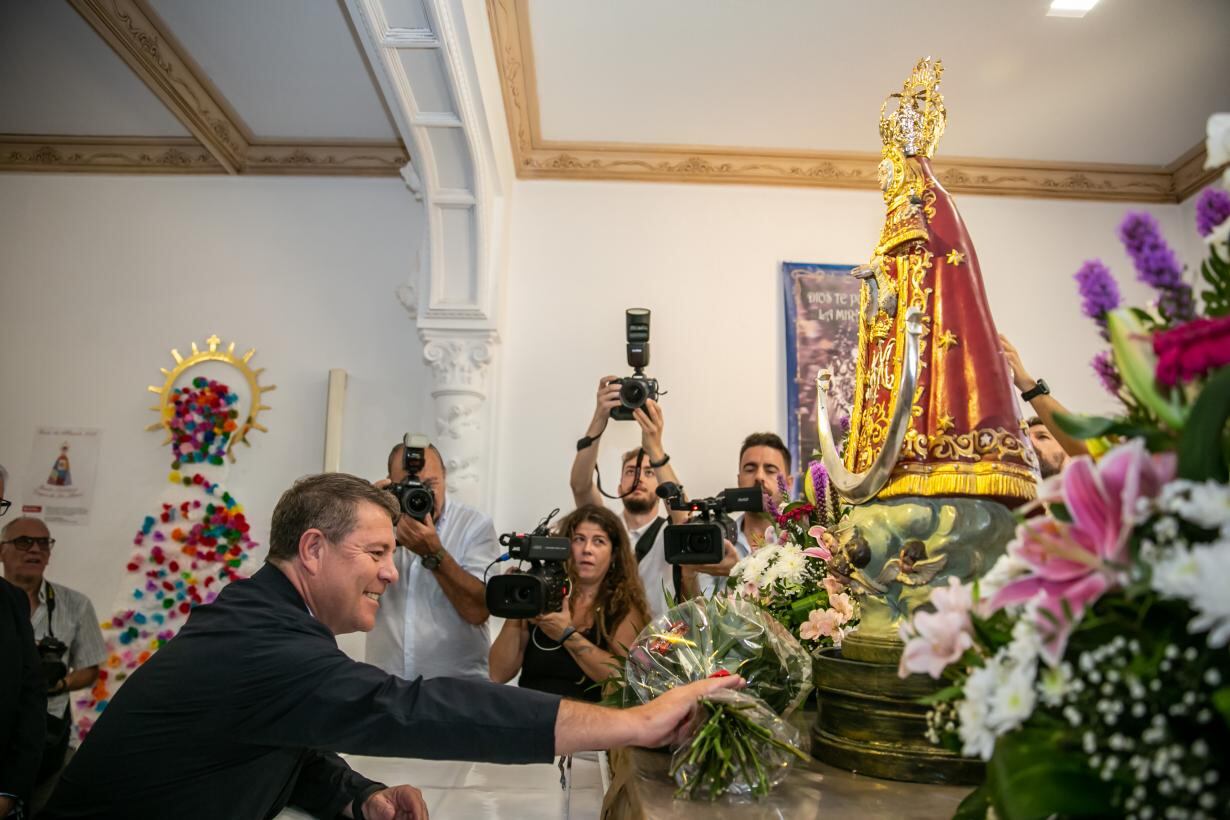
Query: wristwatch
{"x": 432, "y": 560}
{"x": 1039, "y": 389}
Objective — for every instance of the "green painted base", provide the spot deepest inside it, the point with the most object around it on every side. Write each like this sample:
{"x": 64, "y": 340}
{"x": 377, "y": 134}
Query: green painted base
{"x": 870, "y": 722}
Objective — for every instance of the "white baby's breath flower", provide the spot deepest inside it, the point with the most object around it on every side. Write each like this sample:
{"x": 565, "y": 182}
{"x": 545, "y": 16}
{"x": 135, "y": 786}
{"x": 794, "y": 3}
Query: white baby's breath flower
{"x": 1055, "y": 683}
{"x": 1014, "y": 698}
{"x": 1206, "y": 505}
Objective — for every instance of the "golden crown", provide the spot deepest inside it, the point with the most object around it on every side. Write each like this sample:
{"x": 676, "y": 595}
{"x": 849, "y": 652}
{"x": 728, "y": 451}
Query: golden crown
{"x": 917, "y": 123}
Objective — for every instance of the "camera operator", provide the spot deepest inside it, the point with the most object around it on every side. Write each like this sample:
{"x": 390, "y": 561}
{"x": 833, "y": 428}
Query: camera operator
{"x": 639, "y": 495}
{"x": 603, "y": 611}
{"x": 70, "y": 643}
{"x": 764, "y": 459}
{"x": 23, "y": 697}
{"x": 433, "y": 620}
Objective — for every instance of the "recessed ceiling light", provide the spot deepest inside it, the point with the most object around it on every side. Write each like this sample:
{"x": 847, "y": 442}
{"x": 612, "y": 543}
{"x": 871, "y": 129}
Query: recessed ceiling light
{"x": 1070, "y": 8}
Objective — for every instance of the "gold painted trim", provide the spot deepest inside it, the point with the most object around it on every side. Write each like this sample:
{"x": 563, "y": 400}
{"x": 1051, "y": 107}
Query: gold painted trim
{"x": 181, "y": 155}
{"x": 132, "y": 30}
{"x": 20, "y": 152}
{"x": 539, "y": 158}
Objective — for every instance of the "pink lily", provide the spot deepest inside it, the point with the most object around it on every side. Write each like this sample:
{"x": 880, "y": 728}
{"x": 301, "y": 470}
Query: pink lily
{"x": 823, "y": 540}
{"x": 1073, "y": 564}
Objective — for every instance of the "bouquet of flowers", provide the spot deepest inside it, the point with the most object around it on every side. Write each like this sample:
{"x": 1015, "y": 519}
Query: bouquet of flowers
{"x": 787, "y": 572}
{"x": 1090, "y": 667}
{"x": 741, "y": 746}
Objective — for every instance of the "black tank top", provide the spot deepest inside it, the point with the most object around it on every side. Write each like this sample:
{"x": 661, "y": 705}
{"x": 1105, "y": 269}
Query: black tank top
{"x": 549, "y": 667}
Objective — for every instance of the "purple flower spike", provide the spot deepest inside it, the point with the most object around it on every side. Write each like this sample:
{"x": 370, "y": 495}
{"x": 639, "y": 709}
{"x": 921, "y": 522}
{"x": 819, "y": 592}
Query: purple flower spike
{"x": 1104, "y": 366}
{"x": 1212, "y": 209}
{"x": 1156, "y": 265}
{"x": 1099, "y": 291}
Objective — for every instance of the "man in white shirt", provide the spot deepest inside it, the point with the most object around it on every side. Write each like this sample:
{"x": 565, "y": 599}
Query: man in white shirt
{"x": 433, "y": 621}
{"x": 637, "y": 492}
{"x": 66, "y": 629}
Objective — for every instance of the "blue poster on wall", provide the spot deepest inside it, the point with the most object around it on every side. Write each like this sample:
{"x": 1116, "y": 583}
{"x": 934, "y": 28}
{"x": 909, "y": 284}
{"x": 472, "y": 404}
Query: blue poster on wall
{"x": 821, "y": 334}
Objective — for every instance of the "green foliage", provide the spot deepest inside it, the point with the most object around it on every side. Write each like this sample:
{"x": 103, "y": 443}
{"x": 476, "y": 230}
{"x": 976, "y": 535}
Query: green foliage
{"x": 1202, "y": 447}
{"x": 1027, "y": 778}
{"x": 1216, "y": 272}
{"x": 1087, "y": 427}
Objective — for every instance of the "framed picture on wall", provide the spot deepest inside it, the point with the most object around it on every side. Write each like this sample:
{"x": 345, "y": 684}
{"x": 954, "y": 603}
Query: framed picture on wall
{"x": 821, "y": 334}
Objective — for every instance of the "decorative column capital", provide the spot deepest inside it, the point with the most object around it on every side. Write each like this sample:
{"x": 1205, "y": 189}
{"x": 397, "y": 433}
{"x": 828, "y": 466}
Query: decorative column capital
{"x": 459, "y": 359}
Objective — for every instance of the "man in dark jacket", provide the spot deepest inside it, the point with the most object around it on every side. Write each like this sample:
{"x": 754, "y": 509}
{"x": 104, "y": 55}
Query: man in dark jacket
{"x": 244, "y": 711}
{"x": 23, "y": 694}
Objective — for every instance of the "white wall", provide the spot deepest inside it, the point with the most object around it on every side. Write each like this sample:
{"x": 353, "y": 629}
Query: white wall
{"x": 101, "y": 276}
{"x": 706, "y": 260}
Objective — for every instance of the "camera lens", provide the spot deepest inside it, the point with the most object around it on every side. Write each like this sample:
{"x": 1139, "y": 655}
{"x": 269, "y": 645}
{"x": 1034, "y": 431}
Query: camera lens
{"x": 418, "y": 502}
{"x": 522, "y": 595}
{"x": 632, "y": 393}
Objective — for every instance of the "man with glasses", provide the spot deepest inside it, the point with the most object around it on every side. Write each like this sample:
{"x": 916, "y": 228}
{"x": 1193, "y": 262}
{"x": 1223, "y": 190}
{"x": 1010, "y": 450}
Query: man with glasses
{"x": 70, "y": 642}
{"x": 23, "y": 699}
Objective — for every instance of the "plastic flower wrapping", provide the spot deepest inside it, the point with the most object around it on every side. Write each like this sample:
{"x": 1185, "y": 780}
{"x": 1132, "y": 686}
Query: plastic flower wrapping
{"x": 741, "y": 743}
{"x": 788, "y": 573}
{"x": 1090, "y": 667}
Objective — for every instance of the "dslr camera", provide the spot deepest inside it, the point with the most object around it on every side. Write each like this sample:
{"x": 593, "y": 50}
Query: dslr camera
{"x": 699, "y": 541}
{"x": 51, "y": 652}
{"x": 416, "y": 498}
{"x": 541, "y": 588}
{"x": 638, "y": 388}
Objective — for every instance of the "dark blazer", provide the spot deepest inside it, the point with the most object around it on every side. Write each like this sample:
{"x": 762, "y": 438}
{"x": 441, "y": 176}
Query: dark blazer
{"x": 23, "y": 696}
{"x": 243, "y": 711}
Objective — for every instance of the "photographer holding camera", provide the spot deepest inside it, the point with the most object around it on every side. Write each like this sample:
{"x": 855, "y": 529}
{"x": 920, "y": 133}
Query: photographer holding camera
{"x": 641, "y": 472}
{"x": 602, "y": 612}
{"x": 433, "y": 620}
{"x": 70, "y": 643}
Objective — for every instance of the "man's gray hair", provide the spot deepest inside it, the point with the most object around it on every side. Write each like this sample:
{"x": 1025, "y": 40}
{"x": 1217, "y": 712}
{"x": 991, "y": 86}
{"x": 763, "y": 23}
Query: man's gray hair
{"x": 328, "y": 502}
{"x": 9, "y": 525}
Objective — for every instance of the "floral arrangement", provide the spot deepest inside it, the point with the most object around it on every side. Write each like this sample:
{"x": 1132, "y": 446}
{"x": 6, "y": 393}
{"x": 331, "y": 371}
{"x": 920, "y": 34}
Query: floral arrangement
{"x": 788, "y": 571}
{"x": 1090, "y": 667}
{"x": 741, "y": 744}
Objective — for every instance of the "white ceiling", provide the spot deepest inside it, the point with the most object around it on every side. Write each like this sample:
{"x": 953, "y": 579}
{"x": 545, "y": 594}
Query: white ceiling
{"x": 58, "y": 77}
{"x": 290, "y": 69}
{"x": 1133, "y": 82}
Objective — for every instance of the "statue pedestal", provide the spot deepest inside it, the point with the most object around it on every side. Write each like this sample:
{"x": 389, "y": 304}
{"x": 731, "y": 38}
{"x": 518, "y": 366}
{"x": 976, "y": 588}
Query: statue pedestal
{"x": 870, "y": 722}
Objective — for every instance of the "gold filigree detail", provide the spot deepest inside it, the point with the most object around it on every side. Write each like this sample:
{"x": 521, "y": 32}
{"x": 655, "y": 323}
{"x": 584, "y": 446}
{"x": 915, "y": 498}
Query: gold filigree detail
{"x": 977, "y": 445}
{"x": 915, "y": 126}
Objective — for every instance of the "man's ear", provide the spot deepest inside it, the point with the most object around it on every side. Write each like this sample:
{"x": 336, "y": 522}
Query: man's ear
{"x": 789, "y": 482}
{"x": 312, "y": 545}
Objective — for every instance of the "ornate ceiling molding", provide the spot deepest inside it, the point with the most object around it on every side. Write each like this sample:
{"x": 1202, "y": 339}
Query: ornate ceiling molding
{"x": 167, "y": 155}
{"x": 221, "y": 142}
{"x": 538, "y": 158}
{"x": 132, "y": 30}
{"x": 105, "y": 155}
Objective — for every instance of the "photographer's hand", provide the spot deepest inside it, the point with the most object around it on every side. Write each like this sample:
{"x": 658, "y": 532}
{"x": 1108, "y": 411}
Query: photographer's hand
{"x": 649, "y": 418}
{"x": 553, "y": 624}
{"x": 607, "y": 399}
{"x": 419, "y": 537}
{"x": 730, "y": 557}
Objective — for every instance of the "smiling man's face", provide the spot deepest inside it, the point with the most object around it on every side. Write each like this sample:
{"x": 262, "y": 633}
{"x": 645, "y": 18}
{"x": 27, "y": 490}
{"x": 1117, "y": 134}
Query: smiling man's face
{"x": 354, "y": 573}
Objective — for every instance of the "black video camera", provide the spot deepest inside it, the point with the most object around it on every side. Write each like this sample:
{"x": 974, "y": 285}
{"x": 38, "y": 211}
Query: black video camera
{"x": 638, "y": 388}
{"x": 51, "y": 652}
{"x": 541, "y": 588}
{"x": 416, "y": 498}
{"x": 699, "y": 541}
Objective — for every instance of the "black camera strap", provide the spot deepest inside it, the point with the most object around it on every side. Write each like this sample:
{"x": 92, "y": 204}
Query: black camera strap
{"x": 636, "y": 477}
{"x": 51, "y": 605}
{"x": 645, "y": 543}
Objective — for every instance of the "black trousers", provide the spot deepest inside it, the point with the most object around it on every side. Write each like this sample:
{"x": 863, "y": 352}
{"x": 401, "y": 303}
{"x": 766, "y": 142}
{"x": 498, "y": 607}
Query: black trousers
{"x": 56, "y": 747}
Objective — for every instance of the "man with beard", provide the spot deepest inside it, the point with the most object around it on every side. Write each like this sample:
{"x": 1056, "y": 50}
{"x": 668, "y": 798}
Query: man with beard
{"x": 1053, "y": 446}
{"x": 642, "y": 470}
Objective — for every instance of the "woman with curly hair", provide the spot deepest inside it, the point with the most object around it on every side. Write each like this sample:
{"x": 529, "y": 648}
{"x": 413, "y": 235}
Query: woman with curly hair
{"x": 574, "y": 651}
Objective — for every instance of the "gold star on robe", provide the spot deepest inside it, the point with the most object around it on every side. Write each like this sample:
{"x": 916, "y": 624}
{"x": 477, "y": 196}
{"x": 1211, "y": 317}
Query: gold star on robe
{"x": 947, "y": 340}
{"x": 955, "y": 257}
{"x": 944, "y": 424}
